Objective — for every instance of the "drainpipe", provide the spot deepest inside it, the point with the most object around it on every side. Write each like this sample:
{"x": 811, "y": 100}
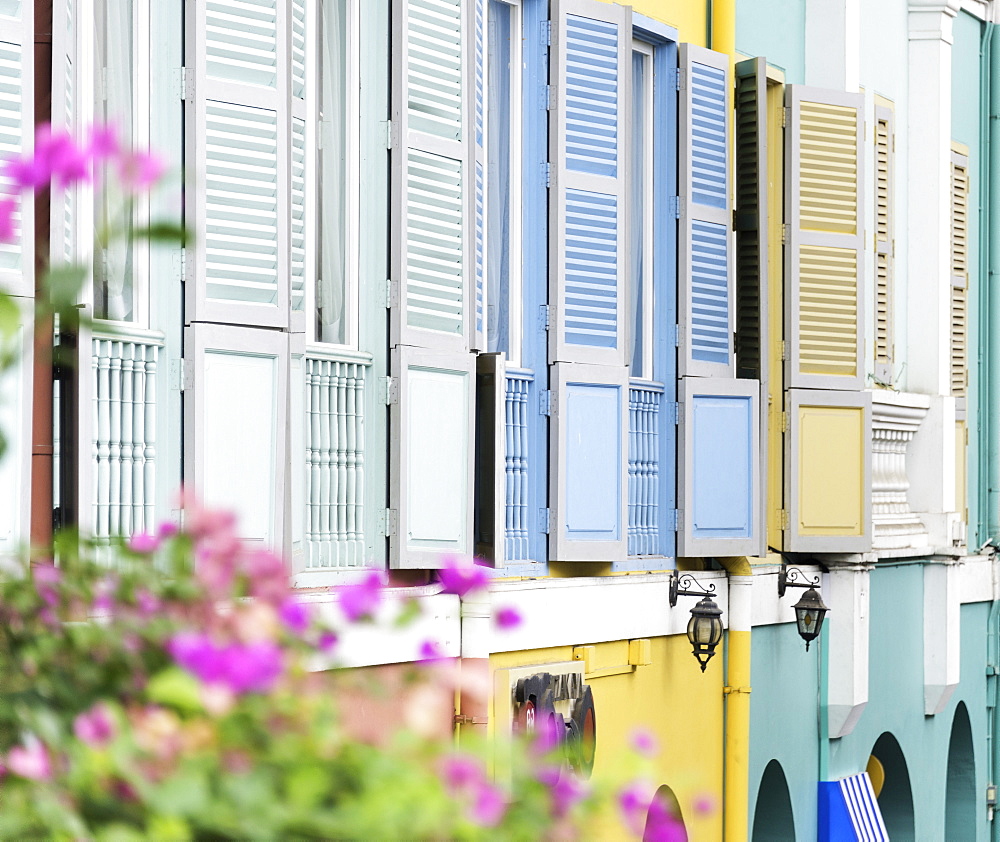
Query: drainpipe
{"x": 990, "y": 411}
{"x": 41, "y": 397}
{"x": 736, "y": 776}
{"x": 472, "y": 698}
{"x": 723, "y": 27}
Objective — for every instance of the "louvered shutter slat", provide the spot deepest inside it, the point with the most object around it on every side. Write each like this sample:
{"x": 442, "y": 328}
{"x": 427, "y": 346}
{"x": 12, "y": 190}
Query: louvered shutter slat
{"x": 823, "y": 256}
{"x": 884, "y": 294}
{"x": 16, "y": 130}
{"x": 705, "y": 246}
{"x": 477, "y": 97}
{"x": 959, "y": 363}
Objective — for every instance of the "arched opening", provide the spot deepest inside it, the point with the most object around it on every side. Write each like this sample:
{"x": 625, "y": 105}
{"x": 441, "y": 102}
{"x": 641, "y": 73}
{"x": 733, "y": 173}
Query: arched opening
{"x": 772, "y": 816}
{"x": 896, "y": 798}
{"x": 665, "y": 799}
{"x": 960, "y": 798}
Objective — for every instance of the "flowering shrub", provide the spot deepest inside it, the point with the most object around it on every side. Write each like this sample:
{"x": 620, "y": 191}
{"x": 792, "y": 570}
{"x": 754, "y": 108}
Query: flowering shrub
{"x": 173, "y": 692}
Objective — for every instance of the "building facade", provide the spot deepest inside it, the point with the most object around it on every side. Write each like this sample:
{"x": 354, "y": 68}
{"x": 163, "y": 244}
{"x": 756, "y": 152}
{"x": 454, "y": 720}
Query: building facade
{"x": 599, "y": 294}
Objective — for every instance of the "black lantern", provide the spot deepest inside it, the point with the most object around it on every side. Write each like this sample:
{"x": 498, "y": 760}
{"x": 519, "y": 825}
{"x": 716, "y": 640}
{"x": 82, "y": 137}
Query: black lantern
{"x": 810, "y": 610}
{"x": 704, "y": 629}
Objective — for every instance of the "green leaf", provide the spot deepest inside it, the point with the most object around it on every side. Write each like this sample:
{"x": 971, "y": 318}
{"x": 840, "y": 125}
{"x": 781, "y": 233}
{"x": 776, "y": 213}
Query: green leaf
{"x": 176, "y": 688}
{"x": 164, "y": 232}
{"x": 10, "y": 317}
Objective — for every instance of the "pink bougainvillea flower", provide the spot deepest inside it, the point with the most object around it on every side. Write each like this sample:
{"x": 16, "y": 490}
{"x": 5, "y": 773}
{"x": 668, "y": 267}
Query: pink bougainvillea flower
{"x": 47, "y": 578}
{"x": 462, "y": 773}
{"x": 139, "y": 171}
{"x": 8, "y": 231}
{"x": 144, "y": 543}
{"x": 268, "y": 577}
{"x": 95, "y": 727}
{"x": 327, "y": 641}
{"x": 30, "y": 761}
{"x": 242, "y": 668}
{"x": 644, "y": 742}
{"x": 662, "y": 825}
{"x": 104, "y": 142}
{"x": 430, "y": 650}
{"x": 565, "y": 789}
{"x": 57, "y": 158}
{"x": 147, "y": 603}
{"x": 546, "y": 735}
{"x": 360, "y": 599}
{"x": 633, "y": 800}
{"x": 205, "y": 524}
{"x": 488, "y": 806}
{"x": 295, "y": 615}
{"x": 460, "y": 576}
{"x": 507, "y": 618}
{"x": 167, "y": 529}
{"x": 104, "y": 596}
{"x": 704, "y": 804}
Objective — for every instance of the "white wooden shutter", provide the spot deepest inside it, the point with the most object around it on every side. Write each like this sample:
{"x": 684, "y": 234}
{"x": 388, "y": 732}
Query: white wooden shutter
{"x": 15, "y": 421}
{"x": 236, "y": 424}
{"x": 705, "y": 242}
{"x": 17, "y": 129}
{"x": 477, "y": 97}
{"x": 958, "y": 353}
{"x": 824, "y": 252}
{"x": 433, "y": 282}
{"x": 237, "y": 150}
{"x": 302, "y": 174}
{"x": 885, "y": 142}
{"x": 590, "y": 77}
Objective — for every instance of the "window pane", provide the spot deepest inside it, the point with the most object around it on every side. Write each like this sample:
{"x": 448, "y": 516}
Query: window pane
{"x": 331, "y": 318}
{"x": 114, "y": 98}
{"x": 498, "y": 120}
{"x": 637, "y": 223}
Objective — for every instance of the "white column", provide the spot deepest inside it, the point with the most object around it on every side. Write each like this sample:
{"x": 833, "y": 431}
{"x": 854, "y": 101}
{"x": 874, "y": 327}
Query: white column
{"x": 929, "y": 213}
{"x": 942, "y": 634}
{"x": 847, "y": 686}
{"x": 833, "y": 44}
{"x": 931, "y": 467}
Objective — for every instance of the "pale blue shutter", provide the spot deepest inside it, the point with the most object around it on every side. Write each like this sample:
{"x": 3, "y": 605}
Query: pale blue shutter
{"x": 719, "y": 462}
{"x": 238, "y": 161}
{"x": 705, "y": 240}
{"x": 479, "y": 157}
{"x": 590, "y": 75}
{"x": 17, "y": 259}
{"x": 433, "y": 279}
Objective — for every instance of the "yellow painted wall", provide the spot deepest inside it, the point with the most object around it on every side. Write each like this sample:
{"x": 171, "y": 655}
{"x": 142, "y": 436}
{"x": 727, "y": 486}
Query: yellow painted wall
{"x": 670, "y": 697}
{"x": 689, "y": 16}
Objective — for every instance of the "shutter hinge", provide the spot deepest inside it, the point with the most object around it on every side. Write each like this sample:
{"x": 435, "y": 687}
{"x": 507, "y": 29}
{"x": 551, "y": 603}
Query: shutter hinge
{"x": 784, "y": 519}
{"x": 681, "y": 79}
{"x": 391, "y": 390}
{"x": 181, "y": 375}
{"x": 550, "y": 98}
{"x": 784, "y": 349}
{"x": 677, "y": 336}
{"x": 391, "y": 294}
{"x": 390, "y": 130}
{"x": 676, "y": 206}
{"x": 544, "y": 520}
{"x": 673, "y": 519}
{"x": 784, "y": 422}
{"x": 546, "y": 402}
{"x": 676, "y": 410}
{"x": 546, "y": 33}
{"x": 547, "y": 174}
{"x": 786, "y": 233}
{"x": 180, "y": 83}
{"x": 544, "y": 317}
{"x": 784, "y": 117}
{"x": 391, "y": 522}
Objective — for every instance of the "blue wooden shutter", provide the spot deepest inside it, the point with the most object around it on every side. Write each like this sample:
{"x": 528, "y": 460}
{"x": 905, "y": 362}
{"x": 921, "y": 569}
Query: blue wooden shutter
{"x": 705, "y": 241}
{"x": 238, "y": 161}
{"x": 590, "y": 75}
{"x": 17, "y": 261}
{"x": 432, "y": 270}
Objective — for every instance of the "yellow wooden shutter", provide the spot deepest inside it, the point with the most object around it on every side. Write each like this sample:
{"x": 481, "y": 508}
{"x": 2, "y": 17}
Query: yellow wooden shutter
{"x": 959, "y": 273}
{"x": 884, "y": 243}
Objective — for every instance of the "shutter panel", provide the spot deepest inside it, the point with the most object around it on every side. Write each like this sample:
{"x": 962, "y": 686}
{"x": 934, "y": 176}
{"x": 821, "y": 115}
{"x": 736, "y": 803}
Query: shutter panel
{"x": 17, "y": 129}
{"x": 884, "y": 243}
{"x": 590, "y": 75}
{"x": 238, "y": 159}
{"x": 705, "y": 245}
{"x": 719, "y": 466}
{"x": 64, "y": 217}
{"x": 236, "y": 424}
{"x": 15, "y": 421}
{"x": 959, "y": 274}
{"x": 825, "y": 250}
{"x": 477, "y": 98}
{"x": 302, "y": 160}
{"x": 433, "y": 267}
{"x": 751, "y": 219}
{"x": 828, "y": 471}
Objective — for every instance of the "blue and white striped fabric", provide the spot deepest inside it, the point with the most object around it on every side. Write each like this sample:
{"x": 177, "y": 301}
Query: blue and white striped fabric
{"x": 849, "y": 811}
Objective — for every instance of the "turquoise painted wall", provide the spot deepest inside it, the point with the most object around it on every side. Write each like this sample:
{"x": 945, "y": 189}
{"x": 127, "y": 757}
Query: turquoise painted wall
{"x": 895, "y": 702}
{"x": 783, "y": 721}
{"x": 965, "y": 92}
{"x": 775, "y": 29}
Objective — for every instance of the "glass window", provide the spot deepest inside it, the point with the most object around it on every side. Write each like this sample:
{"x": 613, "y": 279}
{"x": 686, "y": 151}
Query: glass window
{"x": 641, "y": 213}
{"x": 503, "y": 270}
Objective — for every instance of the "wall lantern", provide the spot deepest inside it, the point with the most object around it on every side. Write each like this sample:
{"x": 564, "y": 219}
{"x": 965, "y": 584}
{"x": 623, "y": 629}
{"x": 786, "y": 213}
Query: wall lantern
{"x": 810, "y": 610}
{"x": 705, "y": 626}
